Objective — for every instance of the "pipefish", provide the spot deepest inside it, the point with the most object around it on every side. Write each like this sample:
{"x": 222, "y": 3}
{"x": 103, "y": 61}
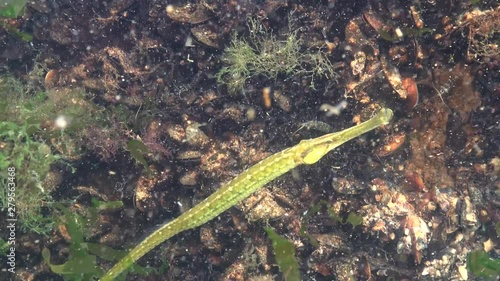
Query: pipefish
{"x": 306, "y": 152}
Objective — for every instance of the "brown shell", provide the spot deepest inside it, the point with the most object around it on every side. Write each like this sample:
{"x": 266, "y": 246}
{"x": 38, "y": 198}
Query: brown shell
{"x": 206, "y": 35}
{"x": 189, "y": 13}
{"x": 411, "y": 89}
{"x": 391, "y": 144}
{"x": 51, "y": 79}
{"x": 415, "y": 179}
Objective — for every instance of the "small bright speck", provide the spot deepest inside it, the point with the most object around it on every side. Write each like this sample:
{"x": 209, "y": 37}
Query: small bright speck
{"x": 399, "y": 33}
{"x": 61, "y": 122}
{"x": 189, "y": 42}
{"x": 333, "y": 109}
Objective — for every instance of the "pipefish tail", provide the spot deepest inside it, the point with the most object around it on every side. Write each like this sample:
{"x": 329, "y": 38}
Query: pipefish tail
{"x": 306, "y": 152}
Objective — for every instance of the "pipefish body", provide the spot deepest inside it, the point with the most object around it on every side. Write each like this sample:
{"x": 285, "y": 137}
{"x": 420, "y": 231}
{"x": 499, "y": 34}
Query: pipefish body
{"x": 306, "y": 152}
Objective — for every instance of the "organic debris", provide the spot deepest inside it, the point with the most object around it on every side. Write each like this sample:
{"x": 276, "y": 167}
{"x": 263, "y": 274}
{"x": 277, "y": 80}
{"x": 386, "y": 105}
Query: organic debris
{"x": 157, "y": 104}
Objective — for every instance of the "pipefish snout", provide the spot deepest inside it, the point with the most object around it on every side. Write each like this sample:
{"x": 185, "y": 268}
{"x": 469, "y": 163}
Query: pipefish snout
{"x": 306, "y": 152}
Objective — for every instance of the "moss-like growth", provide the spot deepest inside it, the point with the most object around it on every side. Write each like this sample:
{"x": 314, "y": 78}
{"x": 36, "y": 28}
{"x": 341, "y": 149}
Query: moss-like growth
{"x": 24, "y": 161}
{"x": 269, "y": 56}
{"x": 484, "y": 33}
{"x": 29, "y": 162}
{"x": 31, "y": 142}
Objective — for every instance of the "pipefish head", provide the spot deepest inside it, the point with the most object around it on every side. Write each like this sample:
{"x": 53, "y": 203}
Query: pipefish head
{"x": 310, "y": 151}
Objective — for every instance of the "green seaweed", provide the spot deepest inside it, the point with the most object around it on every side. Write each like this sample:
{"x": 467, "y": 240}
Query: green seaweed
{"x": 482, "y": 265}
{"x": 354, "y": 219}
{"x": 284, "y": 252}
{"x": 77, "y": 268}
{"x": 81, "y": 265}
{"x": 138, "y": 149}
{"x": 4, "y": 247}
{"x": 82, "y": 259}
{"x": 104, "y": 205}
{"x": 30, "y": 150}
{"x": 264, "y": 54}
{"x": 30, "y": 161}
{"x": 23, "y": 35}
{"x": 12, "y": 8}
{"x": 305, "y": 221}
{"x": 21, "y": 104}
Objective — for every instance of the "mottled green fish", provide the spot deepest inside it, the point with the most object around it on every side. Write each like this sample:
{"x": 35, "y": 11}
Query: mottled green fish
{"x": 246, "y": 183}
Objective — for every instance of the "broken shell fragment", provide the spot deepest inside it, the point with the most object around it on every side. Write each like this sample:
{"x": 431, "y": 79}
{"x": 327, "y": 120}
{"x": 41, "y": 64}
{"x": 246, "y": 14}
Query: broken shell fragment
{"x": 375, "y": 21}
{"x": 189, "y": 13}
{"x": 176, "y": 132}
{"x": 195, "y": 136}
{"x": 358, "y": 63}
{"x": 282, "y": 101}
{"x": 355, "y": 37}
{"x": 262, "y": 206}
{"x": 394, "y": 78}
{"x": 348, "y": 185}
{"x": 391, "y": 144}
{"x": 189, "y": 178}
{"x": 144, "y": 199}
{"x": 189, "y": 156}
{"x": 51, "y": 79}
{"x": 415, "y": 230}
{"x": 399, "y": 54}
{"x": 385, "y": 31}
{"x": 205, "y": 35}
